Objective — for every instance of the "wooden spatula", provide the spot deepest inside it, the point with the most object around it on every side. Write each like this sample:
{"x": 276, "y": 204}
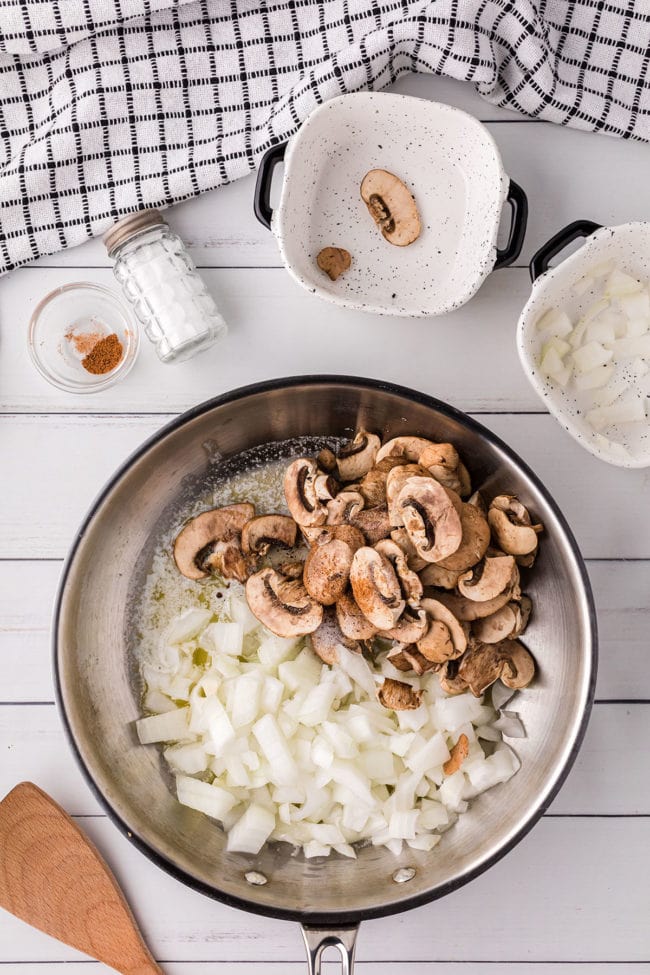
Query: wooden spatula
{"x": 52, "y": 877}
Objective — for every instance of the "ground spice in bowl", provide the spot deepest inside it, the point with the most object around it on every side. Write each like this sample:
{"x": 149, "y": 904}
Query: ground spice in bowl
{"x": 105, "y": 354}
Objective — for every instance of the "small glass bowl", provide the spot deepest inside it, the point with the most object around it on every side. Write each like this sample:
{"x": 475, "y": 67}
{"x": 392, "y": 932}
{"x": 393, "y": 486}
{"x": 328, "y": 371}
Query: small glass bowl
{"x": 62, "y": 330}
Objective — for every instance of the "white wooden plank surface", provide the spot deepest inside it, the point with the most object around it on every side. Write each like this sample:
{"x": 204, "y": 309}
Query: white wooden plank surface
{"x": 603, "y": 780}
{"x": 574, "y": 897}
{"x": 559, "y": 896}
{"x": 291, "y": 334}
{"x": 55, "y": 465}
{"x": 620, "y": 588}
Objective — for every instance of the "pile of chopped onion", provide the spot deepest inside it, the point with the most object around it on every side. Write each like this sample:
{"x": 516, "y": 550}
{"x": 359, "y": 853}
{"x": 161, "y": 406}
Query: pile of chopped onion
{"x": 606, "y": 352}
{"x": 264, "y": 737}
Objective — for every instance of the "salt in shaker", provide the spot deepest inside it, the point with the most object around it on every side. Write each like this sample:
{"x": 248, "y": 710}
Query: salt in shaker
{"x": 161, "y": 283}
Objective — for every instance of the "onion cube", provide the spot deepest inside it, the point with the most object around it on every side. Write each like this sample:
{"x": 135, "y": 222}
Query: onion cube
{"x": 251, "y": 831}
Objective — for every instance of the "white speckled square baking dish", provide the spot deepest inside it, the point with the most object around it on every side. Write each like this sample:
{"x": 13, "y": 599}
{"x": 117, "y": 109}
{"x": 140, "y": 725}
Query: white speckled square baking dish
{"x": 629, "y": 246}
{"x": 450, "y": 163}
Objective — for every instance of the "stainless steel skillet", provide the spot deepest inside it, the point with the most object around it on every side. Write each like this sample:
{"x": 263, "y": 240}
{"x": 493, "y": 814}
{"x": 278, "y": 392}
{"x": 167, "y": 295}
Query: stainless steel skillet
{"x": 97, "y": 685}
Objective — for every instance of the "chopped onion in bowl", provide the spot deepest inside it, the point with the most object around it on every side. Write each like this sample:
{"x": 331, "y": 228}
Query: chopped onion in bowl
{"x": 276, "y": 745}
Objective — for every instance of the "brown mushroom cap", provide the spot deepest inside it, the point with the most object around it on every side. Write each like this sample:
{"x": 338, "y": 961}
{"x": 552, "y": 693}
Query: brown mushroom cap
{"x": 398, "y": 696}
{"x": 327, "y": 570}
{"x": 439, "y": 455}
{"x": 354, "y": 625}
{"x": 478, "y": 501}
{"x": 357, "y": 457}
{"x": 373, "y": 522}
{"x": 283, "y": 605}
{"x": 227, "y": 560}
{"x": 511, "y": 526}
{"x": 474, "y": 544}
{"x": 344, "y": 507}
{"x": 508, "y": 622}
{"x": 457, "y": 756}
{"x": 328, "y": 637}
{"x": 194, "y": 543}
{"x": 484, "y": 663}
{"x": 402, "y": 538}
{"x": 410, "y": 448}
{"x": 333, "y": 261}
{"x": 305, "y": 507}
{"x": 373, "y": 484}
{"x": 489, "y": 577}
{"x": 450, "y": 681}
{"x": 260, "y": 533}
{"x": 430, "y": 517}
{"x": 391, "y": 206}
{"x": 326, "y": 460}
{"x": 435, "y": 644}
{"x": 433, "y": 574}
{"x": 376, "y": 588}
{"x": 347, "y": 533}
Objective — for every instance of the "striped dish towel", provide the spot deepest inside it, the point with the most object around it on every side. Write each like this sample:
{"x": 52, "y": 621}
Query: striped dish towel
{"x": 108, "y": 106}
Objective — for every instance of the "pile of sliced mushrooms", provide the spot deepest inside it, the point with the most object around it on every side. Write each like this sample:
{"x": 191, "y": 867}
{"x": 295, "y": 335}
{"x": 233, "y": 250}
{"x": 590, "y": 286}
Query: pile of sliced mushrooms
{"x": 400, "y": 555}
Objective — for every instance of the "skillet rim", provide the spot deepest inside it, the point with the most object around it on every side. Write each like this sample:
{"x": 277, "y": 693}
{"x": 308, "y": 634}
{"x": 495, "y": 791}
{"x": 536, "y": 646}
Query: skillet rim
{"x": 316, "y": 918}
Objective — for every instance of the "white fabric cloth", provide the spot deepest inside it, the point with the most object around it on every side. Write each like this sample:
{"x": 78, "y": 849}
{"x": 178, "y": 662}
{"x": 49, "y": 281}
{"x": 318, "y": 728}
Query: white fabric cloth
{"x": 108, "y": 106}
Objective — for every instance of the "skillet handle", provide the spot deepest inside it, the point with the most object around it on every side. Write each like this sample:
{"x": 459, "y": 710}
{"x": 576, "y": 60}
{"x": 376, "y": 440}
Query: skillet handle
{"x": 557, "y": 243}
{"x": 262, "y": 199}
{"x": 318, "y": 939}
{"x": 519, "y": 204}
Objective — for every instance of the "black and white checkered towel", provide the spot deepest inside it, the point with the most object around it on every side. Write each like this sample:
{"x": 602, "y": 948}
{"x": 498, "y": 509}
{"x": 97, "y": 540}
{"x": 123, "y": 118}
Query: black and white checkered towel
{"x": 107, "y": 106}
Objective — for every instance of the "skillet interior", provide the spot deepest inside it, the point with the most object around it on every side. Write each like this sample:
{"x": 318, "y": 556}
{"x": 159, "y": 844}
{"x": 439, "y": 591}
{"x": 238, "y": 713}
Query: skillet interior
{"x": 96, "y": 684}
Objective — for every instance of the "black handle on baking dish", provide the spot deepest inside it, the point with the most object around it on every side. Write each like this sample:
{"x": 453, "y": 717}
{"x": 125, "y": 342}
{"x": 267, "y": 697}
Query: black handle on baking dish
{"x": 519, "y": 204}
{"x": 262, "y": 201}
{"x": 557, "y": 243}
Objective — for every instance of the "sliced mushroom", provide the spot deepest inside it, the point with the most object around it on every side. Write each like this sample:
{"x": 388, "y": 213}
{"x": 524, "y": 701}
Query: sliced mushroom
{"x": 410, "y": 448}
{"x": 395, "y": 481}
{"x": 391, "y": 206}
{"x": 518, "y": 664}
{"x": 327, "y": 570}
{"x": 475, "y": 541}
{"x": 344, "y": 507}
{"x": 401, "y": 537}
{"x": 409, "y": 658}
{"x": 512, "y": 526}
{"x": 196, "y": 541}
{"x": 438, "y": 644}
{"x": 352, "y": 621}
{"x": 439, "y": 455}
{"x": 227, "y": 560}
{"x": 358, "y": 456}
{"x": 478, "y": 501}
{"x": 488, "y": 579}
{"x": 408, "y": 580}
{"x": 347, "y": 533}
{"x": 328, "y": 637}
{"x": 292, "y": 570}
{"x": 326, "y": 487}
{"x": 457, "y": 756}
{"x": 373, "y": 484}
{"x": 305, "y": 507}
{"x": 326, "y": 460}
{"x": 508, "y": 622}
{"x": 373, "y": 522}
{"x": 434, "y": 575}
{"x": 259, "y": 534}
{"x": 333, "y": 261}
{"x": 467, "y": 610}
{"x": 283, "y": 605}
{"x": 430, "y": 517}
{"x": 484, "y": 663}
{"x": 410, "y": 627}
{"x": 398, "y": 696}
{"x": 376, "y": 588}
{"x": 450, "y": 680}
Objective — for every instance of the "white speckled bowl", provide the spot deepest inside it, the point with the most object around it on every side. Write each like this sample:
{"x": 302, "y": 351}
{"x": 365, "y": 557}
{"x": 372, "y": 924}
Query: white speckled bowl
{"x": 629, "y": 245}
{"x": 447, "y": 159}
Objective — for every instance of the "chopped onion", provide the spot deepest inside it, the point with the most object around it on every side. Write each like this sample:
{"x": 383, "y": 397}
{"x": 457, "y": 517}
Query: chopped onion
{"x": 619, "y": 284}
{"x": 556, "y": 321}
{"x": 169, "y": 726}
{"x": 251, "y": 831}
{"x": 590, "y": 356}
{"x": 553, "y": 367}
{"x": 596, "y": 378}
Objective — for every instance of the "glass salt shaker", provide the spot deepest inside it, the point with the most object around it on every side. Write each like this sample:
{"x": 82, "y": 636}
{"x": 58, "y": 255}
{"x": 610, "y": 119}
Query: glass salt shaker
{"x": 160, "y": 281}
